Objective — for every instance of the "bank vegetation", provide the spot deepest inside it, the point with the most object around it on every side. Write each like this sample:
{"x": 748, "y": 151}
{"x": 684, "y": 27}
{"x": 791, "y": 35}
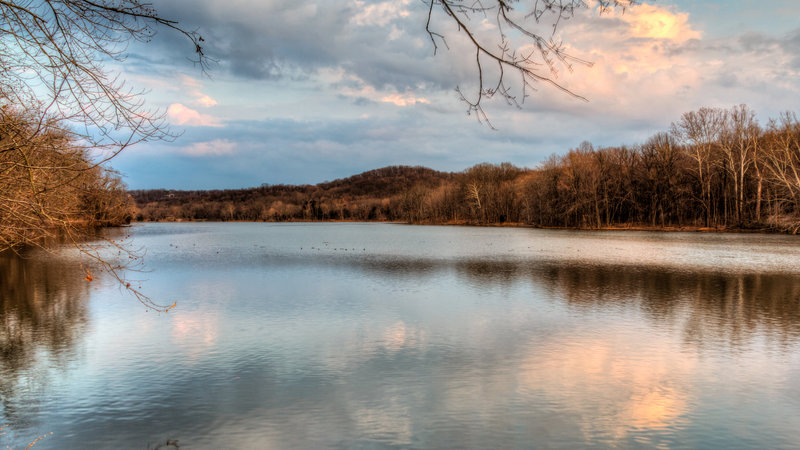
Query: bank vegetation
{"x": 51, "y": 186}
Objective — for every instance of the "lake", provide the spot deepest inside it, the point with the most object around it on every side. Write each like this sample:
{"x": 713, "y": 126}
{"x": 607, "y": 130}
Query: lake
{"x": 346, "y": 335}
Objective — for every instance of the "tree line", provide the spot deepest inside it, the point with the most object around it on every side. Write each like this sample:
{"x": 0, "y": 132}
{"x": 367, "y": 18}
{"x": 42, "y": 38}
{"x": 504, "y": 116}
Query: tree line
{"x": 714, "y": 168}
{"x": 372, "y": 195}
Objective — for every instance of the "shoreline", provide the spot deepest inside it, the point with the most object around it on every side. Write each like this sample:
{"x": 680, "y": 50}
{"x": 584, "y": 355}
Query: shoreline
{"x": 611, "y": 228}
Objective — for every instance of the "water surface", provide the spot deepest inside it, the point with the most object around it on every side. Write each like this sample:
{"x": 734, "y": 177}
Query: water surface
{"x": 383, "y": 335}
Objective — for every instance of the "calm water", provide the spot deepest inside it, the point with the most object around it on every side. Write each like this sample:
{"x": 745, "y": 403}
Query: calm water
{"x": 380, "y": 335}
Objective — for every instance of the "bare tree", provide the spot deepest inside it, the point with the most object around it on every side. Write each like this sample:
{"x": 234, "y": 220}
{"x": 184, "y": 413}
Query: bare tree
{"x": 700, "y": 131}
{"x": 782, "y": 160}
{"x": 738, "y": 139}
{"x": 660, "y": 158}
{"x": 523, "y": 43}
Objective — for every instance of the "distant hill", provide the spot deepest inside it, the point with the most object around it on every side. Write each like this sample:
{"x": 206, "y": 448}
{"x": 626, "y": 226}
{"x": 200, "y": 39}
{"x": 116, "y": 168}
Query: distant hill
{"x": 363, "y": 196}
{"x": 385, "y": 182}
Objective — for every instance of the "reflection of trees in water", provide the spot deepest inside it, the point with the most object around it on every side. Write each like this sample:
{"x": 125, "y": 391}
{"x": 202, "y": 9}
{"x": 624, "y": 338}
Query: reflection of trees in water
{"x": 711, "y": 306}
{"x": 731, "y": 307}
{"x": 735, "y": 307}
{"x": 42, "y": 310}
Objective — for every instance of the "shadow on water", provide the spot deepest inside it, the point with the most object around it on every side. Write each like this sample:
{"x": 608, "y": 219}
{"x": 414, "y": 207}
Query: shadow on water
{"x": 43, "y": 315}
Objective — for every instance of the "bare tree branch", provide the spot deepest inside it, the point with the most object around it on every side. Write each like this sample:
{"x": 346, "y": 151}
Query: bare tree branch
{"x": 540, "y": 64}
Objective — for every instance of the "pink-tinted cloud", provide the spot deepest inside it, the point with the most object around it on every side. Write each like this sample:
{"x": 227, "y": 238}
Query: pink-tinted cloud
{"x": 656, "y": 22}
{"x": 641, "y": 64}
{"x": 194, "y": 87}
{"x": 179, "y": 114}
{"x": 206, "y": 101}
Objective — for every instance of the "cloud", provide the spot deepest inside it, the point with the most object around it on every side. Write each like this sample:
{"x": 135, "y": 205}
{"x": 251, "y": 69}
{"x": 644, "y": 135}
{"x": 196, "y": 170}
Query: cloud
{"x": 217, "y": 147}
{"x": 264, "y": 39}
{"x": 193, "y": 87}
{"x": 206, "y": 101}
{"x": 405, "y": 99}
{"x": 189, "y": 82}
{"x": 318, "y": 91}
{"x": 179, "y": 114}
{"x": 349, "y": 85}
{"x": 651, "y": 64}
{"x": 656, "y": 22}
{"x": 380, "y": 14}
{"x": 380, "y": 42}
{"x": 384, "y": 45}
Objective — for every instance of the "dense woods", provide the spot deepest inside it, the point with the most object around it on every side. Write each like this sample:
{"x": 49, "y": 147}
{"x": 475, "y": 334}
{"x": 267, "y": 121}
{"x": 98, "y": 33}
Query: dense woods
{"x": 714, "y": 168}
{"x": 49, "y": 186}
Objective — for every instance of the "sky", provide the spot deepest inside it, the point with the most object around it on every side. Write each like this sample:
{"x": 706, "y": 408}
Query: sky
{"x": 305, "y": 92}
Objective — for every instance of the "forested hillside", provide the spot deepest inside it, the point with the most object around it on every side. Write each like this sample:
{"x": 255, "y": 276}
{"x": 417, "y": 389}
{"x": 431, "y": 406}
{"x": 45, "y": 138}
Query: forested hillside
{"x": 714, "y": 168}
{"x": 372, "y": 195}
